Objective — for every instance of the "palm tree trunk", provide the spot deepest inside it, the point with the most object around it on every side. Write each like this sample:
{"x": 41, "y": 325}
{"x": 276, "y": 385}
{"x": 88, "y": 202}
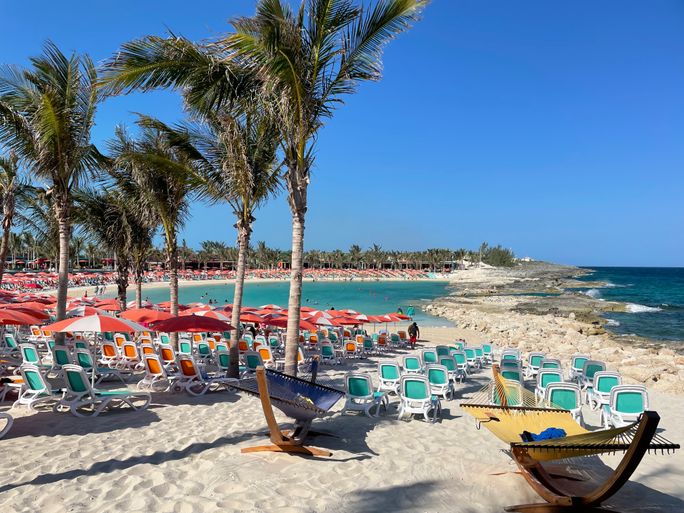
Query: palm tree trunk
{"x": 122, "y": 280}
{"x": 295, "y": 300}
{"x": 172, "y": 263}
{"x": 6, "y": 227}
{"x": 64, "y": 227}
{"x": 244, "y": 233}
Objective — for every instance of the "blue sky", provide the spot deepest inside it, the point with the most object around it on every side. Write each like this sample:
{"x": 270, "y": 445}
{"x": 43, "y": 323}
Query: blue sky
{"x": 553, "y": 128}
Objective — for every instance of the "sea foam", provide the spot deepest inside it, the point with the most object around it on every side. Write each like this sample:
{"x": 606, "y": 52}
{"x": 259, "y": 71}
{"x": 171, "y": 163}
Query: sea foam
{"x": 595, "y": 293}
{"x": 635, "y": 308}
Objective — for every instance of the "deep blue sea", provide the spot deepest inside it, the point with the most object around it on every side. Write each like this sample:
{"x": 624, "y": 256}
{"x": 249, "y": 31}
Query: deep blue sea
{"x": 654, "y": 297}
{"x": 372, "y": 298}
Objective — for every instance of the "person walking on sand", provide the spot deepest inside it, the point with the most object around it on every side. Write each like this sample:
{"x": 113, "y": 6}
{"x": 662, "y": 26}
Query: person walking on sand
{"x": 414, "y": 333}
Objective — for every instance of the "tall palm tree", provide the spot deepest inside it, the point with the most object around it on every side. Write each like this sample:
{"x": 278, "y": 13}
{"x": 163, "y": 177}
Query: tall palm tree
{"x": 235, "y": 155}
{"x": 309, "y": 60}
{"x": 10, "y": 188}
{"x": 46, "y": 115}
{"x": 165, "y": 178}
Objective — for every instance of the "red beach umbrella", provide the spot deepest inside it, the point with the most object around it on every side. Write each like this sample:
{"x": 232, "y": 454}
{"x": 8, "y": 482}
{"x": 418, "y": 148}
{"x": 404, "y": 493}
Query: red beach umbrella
{"x": 191, "y": 323}
{"x": 251, "y": 317}
{"x": 282, "y": 323}
{"x": 17, "y": 317}
{"x": 213, "y": 314}
{"x": 145, "y": 315}
{"x": 96, "y": 324}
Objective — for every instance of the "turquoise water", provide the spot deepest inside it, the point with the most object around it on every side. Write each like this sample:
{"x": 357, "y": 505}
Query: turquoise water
{"x": 368, "y": 297}
{"x": 654, "y": 297}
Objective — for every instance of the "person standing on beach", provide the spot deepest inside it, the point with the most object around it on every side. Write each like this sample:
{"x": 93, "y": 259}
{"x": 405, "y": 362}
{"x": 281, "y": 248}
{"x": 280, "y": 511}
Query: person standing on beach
{"x": 414, "y": 333}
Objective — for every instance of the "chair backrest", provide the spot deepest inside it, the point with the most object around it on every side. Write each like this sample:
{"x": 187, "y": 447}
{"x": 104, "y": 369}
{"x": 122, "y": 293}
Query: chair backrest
{"x": 332, "y": 336}
{"x": 510, "y": 354}
{"x": 221, "y": 346}
{"x": 437, "y": 374}
{"x": 313, "y": 339}
{"x": 394, "y": 338}
{"x": 248, "y": 337}
{"x": 470, "y": 353}
{"x": 459, "y": 356}
{"x": 442, "y": 350}
{"x": 108, "y": 335}
{"x": 46, "y": 333}
{"x": 389, "y": 370}
{"x": 350, "y": 347}
{"x": 266, "y": 354}
{"x": 487, "y": 349}
{"x": 550, "y": 363}
{"x": 29, "y": 354}
{"x": 164, "y": 338}
{"x": 327, "y": 349}
{"x": 358, "y": 384}
{"x": 534, "y": 359}
{"x": 274, "y": 342}
{"x": 76, "y": 379}
{"x": 509, "y": 364}
{"x": 448, "y": 362}
{"x": 129, "y": 350}
{"x": 429, "y": 356}
{"x": 512, "y": 374}
{"x": 109, "y": 349}
{"x": 61, "y": 355}
{"x": 147, "y": 349}
{"x": 563, "y": 395}
{"x": 243, "y": 345}
{"x": 591, "y": 367}
{"x": 253, "y": 360}
{"x": 402, "y": 335}
{"x": 203, "y": 349}
{"x": 411, "y": 363}
{"x": 81, "y": 344}
{"x": 184, "y": 346}
{"x": 187, "y": 366}
{"x": 604, "y": 381}
{"x": 35, "y": 331}
{"x": 346, "y": 333}
{"x": 479, "y": 353}
{"x": 223, "y": 360}
{"x": 119, "y": 339}
{"x": 83, "y": 358}
{"x": 168, "y": 355}
{"x": 459, "y": 344}
{"x": 415, "y": 387}
{"x": 546, "y": 377}
{"x": 33, "y": 379}
{"x": 360, "y": 339}
{"x": 153, "y": 365}
{"x": 631, "y": 399}
{"x": 10, "y": 341}
{"x": 367, "y": 343}
{"x": 382, "y": 340}
{"x": 578, "y": 360}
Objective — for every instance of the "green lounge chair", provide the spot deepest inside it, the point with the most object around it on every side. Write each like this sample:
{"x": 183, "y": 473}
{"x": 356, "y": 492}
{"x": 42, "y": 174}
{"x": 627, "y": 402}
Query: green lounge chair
{"x": 544, "y": 379}
{"x": 361, "y": 396}
{"x": 626, "y": 404}
{"x": 440, "y": 384}
{"x": 599, "y": 394}
{"x": 36, "y": 390}
{"x": 415, "y": 398}
{"x": 388, "y": 376}
{"x": 566, "y": 396}
{"x": 84, "y": 358}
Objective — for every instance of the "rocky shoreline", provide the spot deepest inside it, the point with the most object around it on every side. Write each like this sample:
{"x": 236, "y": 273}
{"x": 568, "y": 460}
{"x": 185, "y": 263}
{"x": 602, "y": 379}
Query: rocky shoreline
{"x": 533, "y": 307}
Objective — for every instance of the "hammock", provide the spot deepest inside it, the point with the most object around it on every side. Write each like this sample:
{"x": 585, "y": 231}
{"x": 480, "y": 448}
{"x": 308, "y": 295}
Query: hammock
{"x": 507, "y": 409}
{"x": 299, "y": 399}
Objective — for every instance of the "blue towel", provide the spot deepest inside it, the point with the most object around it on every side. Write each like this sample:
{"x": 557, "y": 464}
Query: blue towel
{"x": 548, "y": 434}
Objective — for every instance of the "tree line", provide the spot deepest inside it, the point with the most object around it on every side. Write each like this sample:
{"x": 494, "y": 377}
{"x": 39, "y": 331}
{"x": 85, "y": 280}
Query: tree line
{"x": 255, "y": 98}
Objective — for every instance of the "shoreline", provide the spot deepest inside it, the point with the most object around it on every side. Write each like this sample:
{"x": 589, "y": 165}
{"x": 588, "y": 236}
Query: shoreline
{"x": 503, "y": 307}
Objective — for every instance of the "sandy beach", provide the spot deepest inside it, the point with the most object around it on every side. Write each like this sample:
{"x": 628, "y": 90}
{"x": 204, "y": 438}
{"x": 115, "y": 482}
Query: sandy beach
{"x": 183, "y": 455}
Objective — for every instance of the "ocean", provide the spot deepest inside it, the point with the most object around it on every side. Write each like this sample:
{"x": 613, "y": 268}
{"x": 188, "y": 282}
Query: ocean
{"x": 372, "y": 298}
{"x": 654, "y": 297}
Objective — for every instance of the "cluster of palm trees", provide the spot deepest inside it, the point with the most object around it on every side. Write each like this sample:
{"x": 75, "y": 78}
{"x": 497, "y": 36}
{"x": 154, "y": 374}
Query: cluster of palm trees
{"x": 255, "y": 99}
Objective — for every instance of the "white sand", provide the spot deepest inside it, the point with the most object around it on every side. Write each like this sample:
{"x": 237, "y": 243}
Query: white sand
{"x": 183, "y": 455}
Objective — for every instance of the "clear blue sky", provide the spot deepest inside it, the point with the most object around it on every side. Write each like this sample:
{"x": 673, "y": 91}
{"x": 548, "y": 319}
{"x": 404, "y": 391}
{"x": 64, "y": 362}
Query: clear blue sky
{"x": 553, "y": 128}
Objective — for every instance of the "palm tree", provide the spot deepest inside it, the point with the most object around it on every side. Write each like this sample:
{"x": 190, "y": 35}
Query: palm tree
{"x": 235, "y": 154}
{"x": 10, "y": 188}
{"x": 46, "y": 115}
{"x": 309, "y": 60}
{"x": 166, "y": 181}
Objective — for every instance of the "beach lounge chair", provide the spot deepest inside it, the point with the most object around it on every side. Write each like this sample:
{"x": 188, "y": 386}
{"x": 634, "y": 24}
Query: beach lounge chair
{"x": 328, "y": 354}
{"x": 551, "y": 363}
{"x": 577, "y": 366}
{"x": 455, "y": 374}
{"x": 83, "y": 400}
{"x": 85, "y": 359}
{"x": 395, "y": 341}
{"x": 548, "y": 466}
{"x": 415, "y": 398}
{"x": 403, "y": 339}
{"x": 204, "y": 353}
{"x": 442, "y": 351}
{"x": 388, "y": 377}
{"x": 156, "y": 378}
{"x": 591, "y": 367}
{"x": 167, "y": 356}
{"x": 567, "y": 396}
{"x": 60, "y": 357}
{"x": 243, "y": 346}
{"x": 411, "y": 364}
{"x": 534, "y": 360}
{"x": 274, "y": 343}
{"x": 119, "y": 339}
{"x": 360, "y": 395}
{"x": 488, "y": 352}
{"x": 184, "y": 346}
{"x": 36, "y": 390}
{"x": 382, "y": 343}
{"x": 10, "y": 348}
{"x": 510, "y": 354}
{"x": 129, "y": 357}
{"x": 428, "y": 356}
{"x": 479, "y": 356}
{"x": 6, "y": 422}
{"x": 109, "y": 354}
{"x": 461, "y": 362}
{"x": 195, "y": 382}
{"x": 252, "y": 360}
{"x": 599, "y": 393}
{"x": 513, "y": 374}
{"x": 223, "y": 364}
{"x": 164, "y": 339}
{"x": 351, "y": 349}
{"x": 625, "y": 406}
{"x": 544, "y": 379}
{"x": 471, "y": 357}
{"x": 267, "y": 357}
{"x": 30, "y": 356}
{"x": 440, "y": 384}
